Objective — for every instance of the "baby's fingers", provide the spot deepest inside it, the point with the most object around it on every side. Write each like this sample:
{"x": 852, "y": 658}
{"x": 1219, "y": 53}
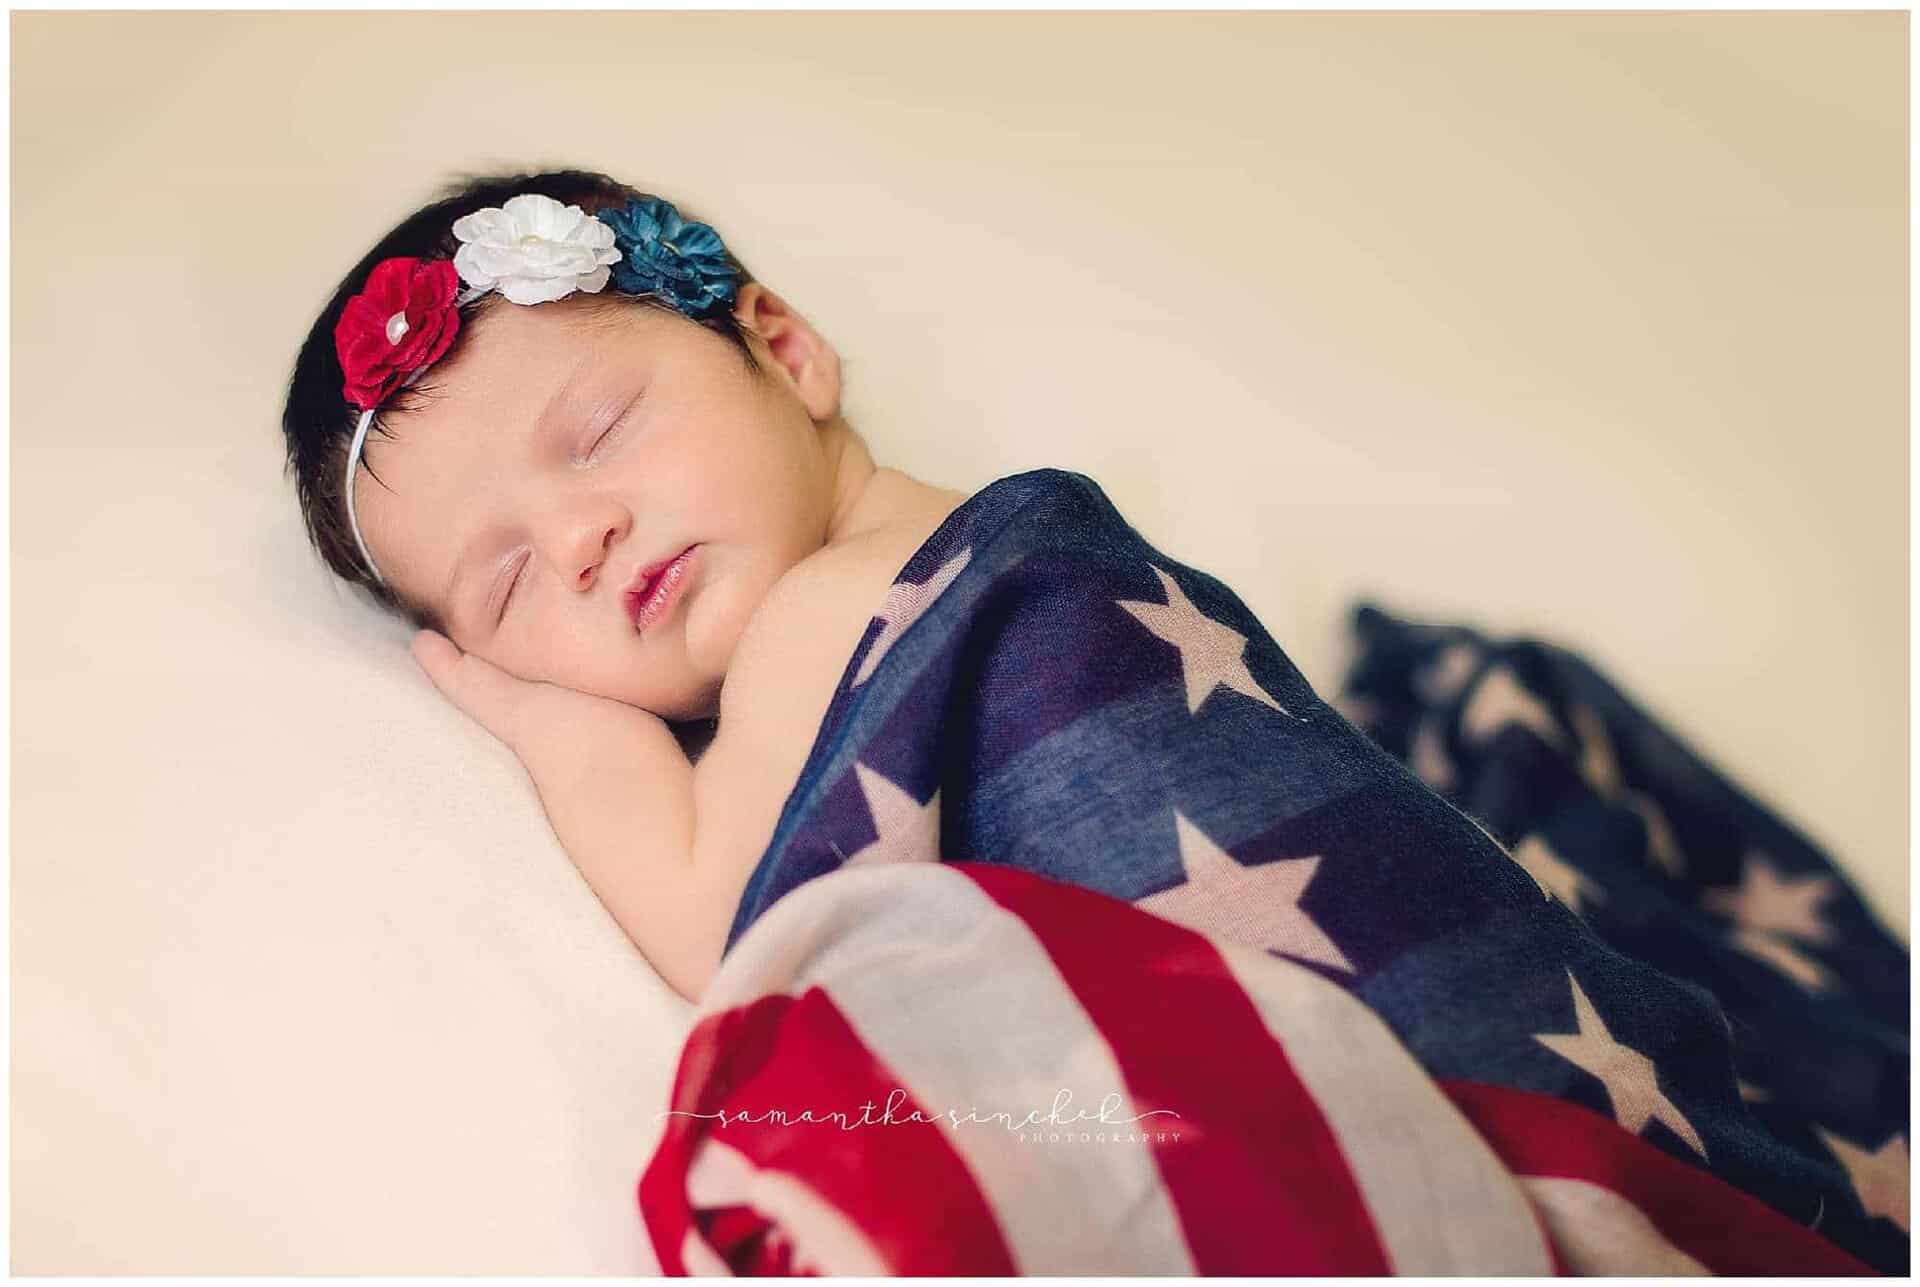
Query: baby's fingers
{"x": 496, "y": 700}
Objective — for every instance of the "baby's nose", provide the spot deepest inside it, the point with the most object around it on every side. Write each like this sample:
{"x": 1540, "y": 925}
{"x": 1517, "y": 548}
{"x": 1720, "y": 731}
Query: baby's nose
{"x": 599, "y": 558}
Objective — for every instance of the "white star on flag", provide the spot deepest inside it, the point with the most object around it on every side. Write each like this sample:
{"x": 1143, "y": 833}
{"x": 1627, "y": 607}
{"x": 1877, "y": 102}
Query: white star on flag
{"x": 1601, "y": 769}
{"x": 1253, "y": 903}
{"x": 1447, "y": 674}
{"x": 1499, "y": 699}
{"x": 1556, "y": 878}
{"x": 1428, "y": 757}
{"x": 905, "y": 830}
{"x": 904, "y": 604}
{"x": 1662, "y": 845}
{"x": 1359, "y": 709}
{"x": 1782, "y": 956}
{"x": 1211, "y": 652}
{"x": 1767, "y": 899}
{"x": 1597, "y": 764}
{"x": 1630, "y": 1078}
{"x": 1879, "y": 1176}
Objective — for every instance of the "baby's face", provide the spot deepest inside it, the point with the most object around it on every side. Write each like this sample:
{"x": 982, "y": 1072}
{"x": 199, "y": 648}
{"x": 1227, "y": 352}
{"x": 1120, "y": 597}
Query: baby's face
{"x": 563, "y": 453}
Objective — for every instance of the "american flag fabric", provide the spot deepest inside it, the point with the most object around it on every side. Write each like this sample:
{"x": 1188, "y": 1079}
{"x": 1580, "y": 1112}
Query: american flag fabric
{"x": 1667, "y": 860}
{"x": 1073, "y": 822}
{"x": 968, "y": 1069}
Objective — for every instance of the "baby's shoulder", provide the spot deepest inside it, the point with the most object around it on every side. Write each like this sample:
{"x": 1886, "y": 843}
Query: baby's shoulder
{"x": 784, "y": 672}
{"x": 872, "y": 558}
{"x": 805, "y": 630}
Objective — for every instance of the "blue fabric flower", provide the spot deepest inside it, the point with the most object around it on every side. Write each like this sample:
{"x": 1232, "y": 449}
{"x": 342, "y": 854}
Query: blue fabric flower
{"x": 663, "y": 254}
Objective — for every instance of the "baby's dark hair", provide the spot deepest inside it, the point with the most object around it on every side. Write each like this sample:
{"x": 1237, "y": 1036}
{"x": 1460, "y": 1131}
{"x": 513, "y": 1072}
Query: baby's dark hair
{"x": 319, "y": 421}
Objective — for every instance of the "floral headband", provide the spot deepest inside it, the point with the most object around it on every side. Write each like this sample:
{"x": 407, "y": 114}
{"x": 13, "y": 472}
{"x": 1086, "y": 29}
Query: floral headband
{"x": 532, "y": 250}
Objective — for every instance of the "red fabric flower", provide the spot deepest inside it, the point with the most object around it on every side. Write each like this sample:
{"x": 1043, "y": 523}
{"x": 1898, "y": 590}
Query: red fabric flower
{"x": 402, "y": 320}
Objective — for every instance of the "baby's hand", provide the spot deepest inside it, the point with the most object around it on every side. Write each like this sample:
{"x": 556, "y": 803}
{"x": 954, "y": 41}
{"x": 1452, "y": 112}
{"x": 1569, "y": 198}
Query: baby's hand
{"x": 618, "y": 792}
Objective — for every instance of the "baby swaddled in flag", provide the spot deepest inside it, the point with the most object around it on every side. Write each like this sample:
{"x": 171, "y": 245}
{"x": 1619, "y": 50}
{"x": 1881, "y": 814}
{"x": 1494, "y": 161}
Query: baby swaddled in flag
{"x": 1055, "y": 710}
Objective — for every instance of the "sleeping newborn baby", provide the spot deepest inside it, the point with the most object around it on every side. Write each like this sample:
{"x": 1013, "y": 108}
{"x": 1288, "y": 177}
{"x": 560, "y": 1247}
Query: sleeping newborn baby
{"x": 612, "y": 485}
{"x": 616, "y": 509}
{"x": 680, "y": 535}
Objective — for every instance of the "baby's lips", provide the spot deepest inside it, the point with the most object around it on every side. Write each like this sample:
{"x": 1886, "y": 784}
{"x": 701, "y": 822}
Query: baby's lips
{"x": 647, "y": 579}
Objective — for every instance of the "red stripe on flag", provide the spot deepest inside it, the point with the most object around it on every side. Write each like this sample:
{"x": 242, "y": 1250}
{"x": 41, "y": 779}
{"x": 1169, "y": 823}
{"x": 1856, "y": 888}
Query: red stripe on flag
{"x": 1257, "y": 1177}
{"x": 1728, "y": 1231}
{"x": 750, "y": 1250}
{"x": 900, "y": 1182}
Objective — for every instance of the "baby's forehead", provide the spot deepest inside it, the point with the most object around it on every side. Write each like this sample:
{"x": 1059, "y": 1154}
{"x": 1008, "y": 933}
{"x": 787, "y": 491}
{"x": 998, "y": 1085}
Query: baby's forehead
{"x": 511, "y": 367}
{"x": 520, "y": 370}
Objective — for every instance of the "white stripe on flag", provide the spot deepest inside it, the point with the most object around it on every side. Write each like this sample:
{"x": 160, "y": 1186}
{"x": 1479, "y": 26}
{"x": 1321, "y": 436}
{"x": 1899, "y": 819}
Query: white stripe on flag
{"x": 1600, "y": 1233}
{"x": 1440, "y": 1199}
{"x": 956, "y": 996}
{"x": 700, "y": 1260}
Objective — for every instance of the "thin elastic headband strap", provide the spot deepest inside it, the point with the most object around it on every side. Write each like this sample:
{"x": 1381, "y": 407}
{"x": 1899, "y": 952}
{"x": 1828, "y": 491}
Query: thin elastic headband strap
{"x": 353, "y": 465}
{"x": 360, "y": 442}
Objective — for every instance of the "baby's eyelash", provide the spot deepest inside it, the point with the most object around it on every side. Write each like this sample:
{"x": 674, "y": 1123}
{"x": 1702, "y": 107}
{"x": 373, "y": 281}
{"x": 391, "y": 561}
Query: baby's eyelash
{"x": 512, "y": 585}
{"x": 615, "y": 427}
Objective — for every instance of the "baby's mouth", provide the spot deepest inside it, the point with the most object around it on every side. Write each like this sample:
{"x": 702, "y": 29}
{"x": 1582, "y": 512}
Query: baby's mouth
{"x": 657, "y": 590}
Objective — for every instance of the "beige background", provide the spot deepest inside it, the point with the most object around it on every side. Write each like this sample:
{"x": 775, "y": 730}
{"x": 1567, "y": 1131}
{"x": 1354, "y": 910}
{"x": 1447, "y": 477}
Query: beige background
{"x": 1585, "y": 324}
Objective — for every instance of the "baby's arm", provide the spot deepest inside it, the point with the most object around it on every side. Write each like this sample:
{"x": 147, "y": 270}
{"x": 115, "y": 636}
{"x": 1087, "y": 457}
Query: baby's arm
{"x": 618, "y": 792}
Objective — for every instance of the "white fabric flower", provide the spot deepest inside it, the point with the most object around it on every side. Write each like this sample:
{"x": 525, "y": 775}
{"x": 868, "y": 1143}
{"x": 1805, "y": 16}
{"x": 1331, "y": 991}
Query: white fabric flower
{"x": 533, "y": 249}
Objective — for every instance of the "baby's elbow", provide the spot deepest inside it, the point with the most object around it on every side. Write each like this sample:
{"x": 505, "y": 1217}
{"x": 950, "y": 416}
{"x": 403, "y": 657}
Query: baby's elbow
{"x": 700, "y": 937}
{"x": 692, "y": 972}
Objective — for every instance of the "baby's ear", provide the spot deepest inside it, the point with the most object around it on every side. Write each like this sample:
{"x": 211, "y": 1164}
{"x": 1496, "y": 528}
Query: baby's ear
{"x": 802, "y": 352}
